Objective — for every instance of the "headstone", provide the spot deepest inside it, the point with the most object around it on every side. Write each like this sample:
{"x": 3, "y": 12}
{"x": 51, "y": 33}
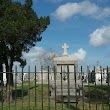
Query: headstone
{"x": 66, "y": 81}
{"x": 4, "y": 75}
{"x": 91, "y": 76}
{"x": 16, "y": 79}
{"x": 100, "y": 75}
{"x": 107, "y": 75}
{"x": 42, "y": 77}
{"x": 27, "y": 76}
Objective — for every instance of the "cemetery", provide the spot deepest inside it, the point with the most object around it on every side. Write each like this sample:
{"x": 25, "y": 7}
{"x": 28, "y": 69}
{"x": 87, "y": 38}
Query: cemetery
{"x": 69, "y": 77}
{"x": 64, "y": 87}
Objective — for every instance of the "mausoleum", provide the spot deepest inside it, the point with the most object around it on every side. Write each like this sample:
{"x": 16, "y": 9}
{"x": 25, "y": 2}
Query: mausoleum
{"x": 66, "y": 75}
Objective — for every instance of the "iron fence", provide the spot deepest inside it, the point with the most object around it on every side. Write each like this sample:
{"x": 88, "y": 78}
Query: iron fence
{"x": 54, "y": 90}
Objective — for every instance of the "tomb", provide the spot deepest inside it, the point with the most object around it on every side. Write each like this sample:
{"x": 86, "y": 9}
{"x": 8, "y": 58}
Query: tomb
{"x": 65, "y": 83}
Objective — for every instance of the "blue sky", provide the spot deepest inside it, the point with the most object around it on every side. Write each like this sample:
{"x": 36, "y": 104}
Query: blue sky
{"x": 83, "y": 24}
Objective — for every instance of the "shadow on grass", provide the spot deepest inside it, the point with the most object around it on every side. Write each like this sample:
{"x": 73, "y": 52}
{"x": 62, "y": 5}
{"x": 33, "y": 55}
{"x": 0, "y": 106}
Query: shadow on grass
{"x": 21, "y": 92}
{"x": 72, "y": 107}
{"x": 18, "y": 93}
{"x": 98, "y": 93}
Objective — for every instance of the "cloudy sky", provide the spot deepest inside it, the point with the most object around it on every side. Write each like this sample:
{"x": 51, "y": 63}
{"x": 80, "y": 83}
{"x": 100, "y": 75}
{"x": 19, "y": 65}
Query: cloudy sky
{"x": 83, "y": 24}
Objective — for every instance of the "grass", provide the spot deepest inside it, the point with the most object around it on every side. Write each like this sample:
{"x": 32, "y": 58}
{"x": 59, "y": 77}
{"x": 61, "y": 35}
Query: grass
{"x": 26, "y": 102}
{"x": 98, "y": 92}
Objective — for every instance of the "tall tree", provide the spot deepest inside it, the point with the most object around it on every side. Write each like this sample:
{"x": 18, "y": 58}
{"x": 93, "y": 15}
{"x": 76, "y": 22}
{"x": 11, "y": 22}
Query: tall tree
{"x": 28, "y": 3}
{"x": 20, "y": 29}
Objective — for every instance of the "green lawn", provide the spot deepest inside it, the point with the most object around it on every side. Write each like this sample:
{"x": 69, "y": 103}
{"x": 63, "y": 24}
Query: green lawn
{"x": 26, "y": 102}
{"x": 97, "y": 92}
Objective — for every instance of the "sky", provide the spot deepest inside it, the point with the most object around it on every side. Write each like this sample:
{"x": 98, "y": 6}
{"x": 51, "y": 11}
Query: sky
{"x": 84, "y": 25}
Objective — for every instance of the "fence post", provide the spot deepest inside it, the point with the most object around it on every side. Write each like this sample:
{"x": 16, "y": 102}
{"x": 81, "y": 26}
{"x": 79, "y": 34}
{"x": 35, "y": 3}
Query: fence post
{"x": 82, "y": 87}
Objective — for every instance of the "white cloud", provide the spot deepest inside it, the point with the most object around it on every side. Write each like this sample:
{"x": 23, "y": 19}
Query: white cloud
{"x": 85, "y": 8}
{"x": 80, "y": 54}
{"x": 33, "y": 53}
{"x": 100, "y": 36}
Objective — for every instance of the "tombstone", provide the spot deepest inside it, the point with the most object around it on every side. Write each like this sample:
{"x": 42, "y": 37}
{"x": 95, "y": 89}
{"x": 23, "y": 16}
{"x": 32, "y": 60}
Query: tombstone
{"x": 107, "y": 75}
{"x": 4, "y": 75}
{"x": 100, "y": 75}
{"x": 66, "y": 81}
{"x": 91, "y": 77}
{"x": 16, "y": 79}
{"x": 26, "y": 76}
{"x": 42, "y": 77}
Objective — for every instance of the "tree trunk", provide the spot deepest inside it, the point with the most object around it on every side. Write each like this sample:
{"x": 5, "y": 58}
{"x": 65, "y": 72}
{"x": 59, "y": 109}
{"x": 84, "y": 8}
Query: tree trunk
{"x": 9, "y": 85}
{"x": 1, "y": 82}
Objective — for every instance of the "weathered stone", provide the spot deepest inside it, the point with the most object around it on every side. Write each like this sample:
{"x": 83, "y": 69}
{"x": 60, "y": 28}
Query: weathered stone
{"x": 65, "y": 81}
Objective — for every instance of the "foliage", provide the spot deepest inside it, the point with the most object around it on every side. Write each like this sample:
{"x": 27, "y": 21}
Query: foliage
{"x": 20, "y": 29}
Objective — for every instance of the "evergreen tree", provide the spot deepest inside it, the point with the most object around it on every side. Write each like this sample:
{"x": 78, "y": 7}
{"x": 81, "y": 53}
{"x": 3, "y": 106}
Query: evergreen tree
{"x": 20, "y": 29}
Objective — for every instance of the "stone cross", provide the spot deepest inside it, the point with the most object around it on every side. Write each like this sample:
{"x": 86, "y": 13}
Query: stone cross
{"x": 65, "y": 49}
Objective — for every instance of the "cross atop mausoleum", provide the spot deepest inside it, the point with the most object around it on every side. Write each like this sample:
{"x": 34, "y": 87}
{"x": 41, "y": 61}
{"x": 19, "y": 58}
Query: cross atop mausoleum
{"x": 65, "y": 46}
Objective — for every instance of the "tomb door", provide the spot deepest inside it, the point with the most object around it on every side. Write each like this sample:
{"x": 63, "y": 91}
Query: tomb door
{"x": 63, "y": 70}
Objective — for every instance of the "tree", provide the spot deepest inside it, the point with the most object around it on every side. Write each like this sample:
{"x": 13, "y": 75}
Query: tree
{"x": 45, "y": 58}
{"x": 28, "y": 3}
{"x": 20, "y": 29}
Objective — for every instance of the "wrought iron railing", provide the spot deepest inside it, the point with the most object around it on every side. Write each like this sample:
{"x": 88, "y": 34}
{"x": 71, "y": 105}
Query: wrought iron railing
{"x": 52, "y": 90}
